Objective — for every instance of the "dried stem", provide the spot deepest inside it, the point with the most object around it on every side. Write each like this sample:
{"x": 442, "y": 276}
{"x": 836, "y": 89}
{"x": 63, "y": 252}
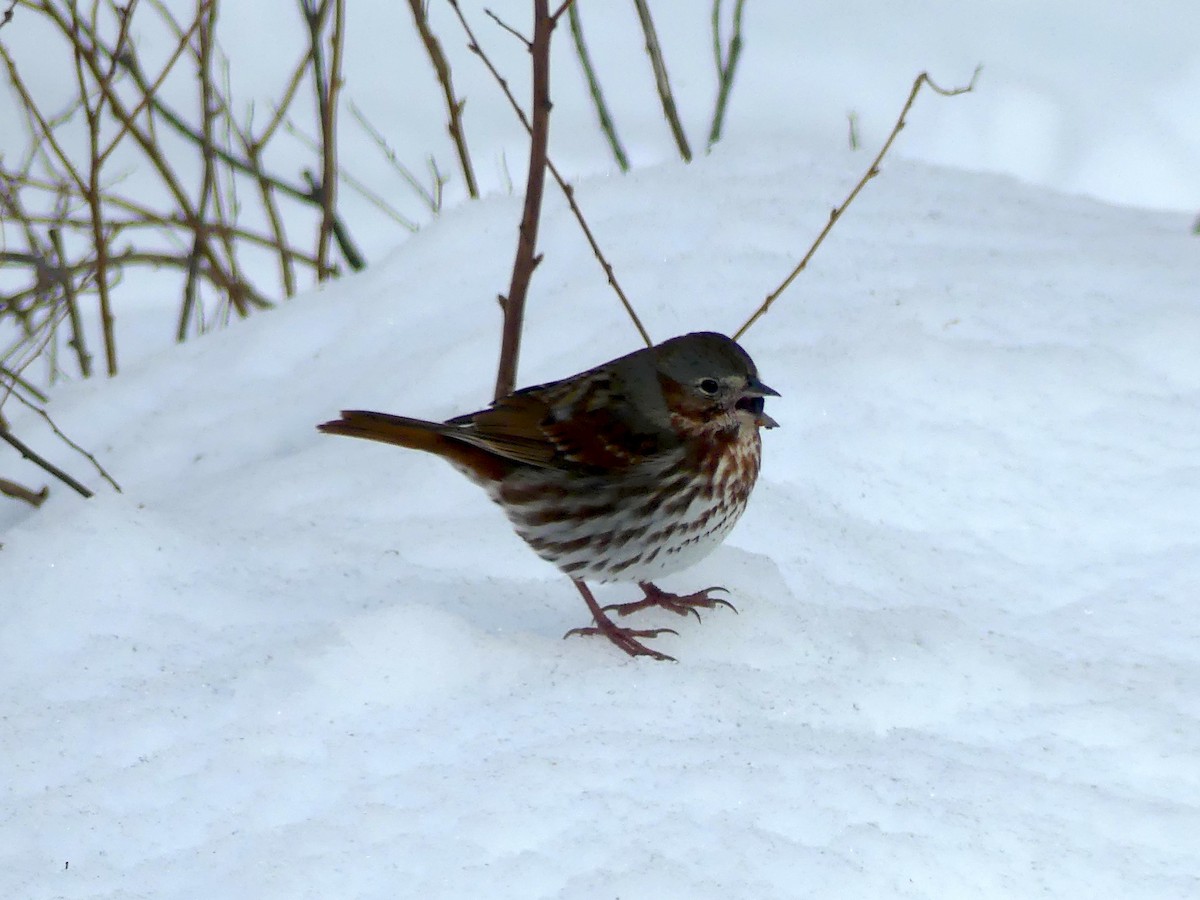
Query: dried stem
{"x": 152, "y": 150}
{"x": 45, "y": 416}
{"x": 327, "y": 85}
{"x": 654, "y": 51}
{"x": 19, "y": 491}
{"x": 430, "y": 197}
{"x": 93, "y": 192}
{"x": 726, "y": 64}
{"x": 205, "y": 21}
{"x": 76, "y": 342}
{"x": 358, "y": 186}
{"x": 872, "y": 171}
{"x": 40, "y": 461}
{"x": 454, "y": 106}
{"x": 526, "y": 259}
{"x": 589, "y": 72}
{"x": 568, "y": 192}
{"x": 128, "y": 63}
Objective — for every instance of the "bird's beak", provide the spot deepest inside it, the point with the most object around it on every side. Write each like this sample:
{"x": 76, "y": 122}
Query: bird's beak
{"x": 765, "y": 421}
{"x": 752, "y": 402}
{"x": 755, "y": 388}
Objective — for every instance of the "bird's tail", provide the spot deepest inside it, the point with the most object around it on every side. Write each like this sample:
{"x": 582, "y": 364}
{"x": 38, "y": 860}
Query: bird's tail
{"x": 416, "y": 434}
{"x": 480, "y": 465}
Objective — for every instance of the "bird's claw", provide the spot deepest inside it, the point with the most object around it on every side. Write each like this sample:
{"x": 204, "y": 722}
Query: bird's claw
{"x": 627, "y": 638}
{"x": 680, "y": 604}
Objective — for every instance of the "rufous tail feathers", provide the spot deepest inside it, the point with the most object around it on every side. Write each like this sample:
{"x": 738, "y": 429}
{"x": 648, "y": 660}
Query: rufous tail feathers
{"x": 417, "y": 434}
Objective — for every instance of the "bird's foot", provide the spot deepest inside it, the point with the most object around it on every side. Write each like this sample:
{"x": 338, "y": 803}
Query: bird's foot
{"x": 680, "y": 604}
{"x": 626, "y": 638}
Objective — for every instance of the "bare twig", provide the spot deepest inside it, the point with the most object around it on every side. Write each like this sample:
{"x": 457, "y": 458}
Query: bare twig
{"x": 438, "y": 180}
{"x": 76, "y": 342}
{"x": 204, "y": 24}
{"x": 428, "y": 197}
{"x": 504, "y": 25}
{"x": 40, "y": 461}
{"x": 93, "y": 192}
{"x": 45, "y": 416}
{"x": 606, "y": 121}
{"x": 7, "y": 15}
{"x": 726, "y": 64}
{"x": 568, "y": 191}
{"x": 223, "y": 278}
{"x": 351, "y": 182}
{"x": 654, "y": 51}
{"x": 454, "y": 106}
{"x": 526, "y": 259}
{"x": 327, "y": 85}
{"x": 872, "y": 171}
{"x": 120, "y": 57}
{"x": 128, "y": 63}
{"x": 148, "y": 218}
{"x": 19, "y": 491}
{"x": 16, "y": 381}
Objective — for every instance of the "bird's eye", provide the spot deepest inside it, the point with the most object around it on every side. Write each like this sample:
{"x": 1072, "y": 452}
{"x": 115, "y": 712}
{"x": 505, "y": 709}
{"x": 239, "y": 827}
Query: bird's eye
{"x": 708, "y": 386}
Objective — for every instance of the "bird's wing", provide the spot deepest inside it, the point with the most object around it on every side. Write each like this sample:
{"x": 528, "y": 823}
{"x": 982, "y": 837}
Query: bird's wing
{"x": 579, "y": 423}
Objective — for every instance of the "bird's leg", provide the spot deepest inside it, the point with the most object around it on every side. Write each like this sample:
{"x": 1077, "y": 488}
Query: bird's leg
{"x": 682, "y": 604}
{"x": 625, "y": 638}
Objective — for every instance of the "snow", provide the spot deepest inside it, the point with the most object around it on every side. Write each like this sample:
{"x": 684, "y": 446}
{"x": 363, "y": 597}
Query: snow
{"x": 965, "y": 662}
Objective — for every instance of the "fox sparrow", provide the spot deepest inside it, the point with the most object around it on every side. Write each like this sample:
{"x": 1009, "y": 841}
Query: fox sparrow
{"x": 626, "y": 472}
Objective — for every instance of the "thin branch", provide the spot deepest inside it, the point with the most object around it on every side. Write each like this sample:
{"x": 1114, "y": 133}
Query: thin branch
{"x": 606, "y": 121}
{"x": 93, "y": 192}
{"x": 203, "y": 27}
{"x": 520, "y": 37}
{"x": 526, "y": 259}
{"x": 287, "y": 268}
{"x": 11, "y": 488}
{"x": 428, "y": 197}
{"x": 76, "y": 342}
{"x": 654, "y": 51}
{"x": 6, "y": 17}
{"x": 454, "y": 106}
{"x": 150, "y": 219}
{"x": 327, "y": 85}
{"x": 45, "y": 131}
{"x": 852, "y": 130}
{"x": 19, "y": 382}
{"x": 45, "y": 416}
{"x": 438, "y": 180}
{"x": 168, "y": 260}
{"x": 557, "y": 14}
{"x": 568, "y": 191}
{"x": 120, "y": 57}
{"x": 872, "y": 171}
{"x": 726, "y": 65}
{"x": 351, "y": 182}
{"x": 40, "y": 461}
{"x": 128, "y": 63}
{"x": 148, "y": 144}
{"x": 281, "y": 108}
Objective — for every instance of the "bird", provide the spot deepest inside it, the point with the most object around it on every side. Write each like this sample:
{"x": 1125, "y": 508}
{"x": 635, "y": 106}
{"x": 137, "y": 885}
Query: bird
{"x": 629, "y": 471}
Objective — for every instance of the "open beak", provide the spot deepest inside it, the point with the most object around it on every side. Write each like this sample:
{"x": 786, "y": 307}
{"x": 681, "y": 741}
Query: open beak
{"x": 752, "y": 401}
{"x": 755, "y": 388}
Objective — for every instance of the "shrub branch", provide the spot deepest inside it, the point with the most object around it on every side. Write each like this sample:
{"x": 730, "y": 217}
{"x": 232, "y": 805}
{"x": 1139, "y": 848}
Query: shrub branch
{"x": 527, "y": 259}
{"x": 872, "y": 170}
{"x": 568, "y": 191}
{"x": 589, "y": 72}
{"x": 661, "y": 81}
